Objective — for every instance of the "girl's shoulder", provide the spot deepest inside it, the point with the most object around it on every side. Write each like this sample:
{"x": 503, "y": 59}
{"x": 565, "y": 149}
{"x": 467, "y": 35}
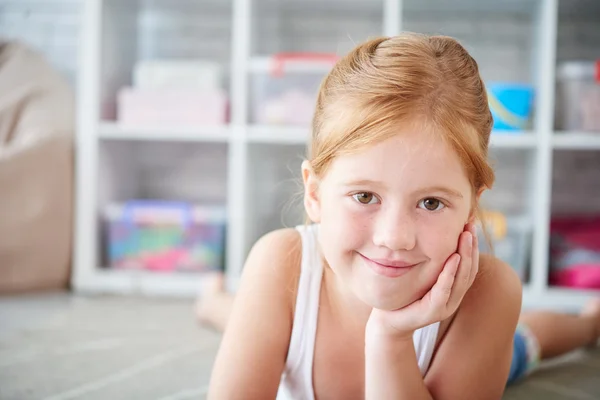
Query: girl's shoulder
{"x": 276, "y": 257}
{"x": 283, "y": 247}
{"x": 496, "y": 289}
{"x": 262, "y": 315}
{"x": 495, "y": 272}
{"x": 479, "y": 336}
{"x": 496, "y": 285}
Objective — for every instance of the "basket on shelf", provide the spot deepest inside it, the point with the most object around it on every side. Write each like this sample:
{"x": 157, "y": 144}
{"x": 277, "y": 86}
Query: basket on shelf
{"x": 165, "y": 236}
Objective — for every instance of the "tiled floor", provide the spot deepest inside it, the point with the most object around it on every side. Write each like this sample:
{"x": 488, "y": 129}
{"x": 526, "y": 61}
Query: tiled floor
{"x": 59, "y": 347}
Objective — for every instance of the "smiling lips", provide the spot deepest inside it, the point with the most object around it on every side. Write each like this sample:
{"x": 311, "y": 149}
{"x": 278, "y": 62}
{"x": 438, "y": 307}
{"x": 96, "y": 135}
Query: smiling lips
{"x": 388, "y": 268}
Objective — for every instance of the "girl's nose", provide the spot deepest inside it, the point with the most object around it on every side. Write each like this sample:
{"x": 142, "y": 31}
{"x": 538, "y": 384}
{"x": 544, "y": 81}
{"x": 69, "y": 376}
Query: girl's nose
{"x": 395, "y": 230}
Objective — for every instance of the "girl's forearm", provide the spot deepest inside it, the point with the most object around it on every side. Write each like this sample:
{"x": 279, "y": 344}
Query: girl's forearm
{"x": 391, "y": 370}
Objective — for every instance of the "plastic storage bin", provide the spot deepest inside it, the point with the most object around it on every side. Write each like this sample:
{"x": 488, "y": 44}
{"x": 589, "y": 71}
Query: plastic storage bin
{"x": 578, "y": 96}
{"x": 171, "y": 107}
{"x": 165, "y": 236}
{"x": 287, "y": 94}
{"x": 174, "y": 92}
{"x": 511, "y": 241}
{"x": 510, "y": 104}
{"x": 575, "y": 252}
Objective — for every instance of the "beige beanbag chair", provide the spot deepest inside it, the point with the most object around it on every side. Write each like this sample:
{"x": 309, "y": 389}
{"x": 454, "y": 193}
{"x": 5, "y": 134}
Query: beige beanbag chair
{"x": 36, "y": 172}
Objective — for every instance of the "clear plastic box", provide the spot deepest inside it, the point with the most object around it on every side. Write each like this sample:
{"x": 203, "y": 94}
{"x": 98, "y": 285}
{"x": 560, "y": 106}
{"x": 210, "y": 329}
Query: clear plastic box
{"x": 286, "y": 94}
{"x": 578, "y": 96}
{"x": 171, "y": 107}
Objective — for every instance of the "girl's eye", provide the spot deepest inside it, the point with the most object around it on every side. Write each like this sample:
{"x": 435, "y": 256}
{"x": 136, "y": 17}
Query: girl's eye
{"x": 431, "y": 204}
{"x": 365, "y": 198}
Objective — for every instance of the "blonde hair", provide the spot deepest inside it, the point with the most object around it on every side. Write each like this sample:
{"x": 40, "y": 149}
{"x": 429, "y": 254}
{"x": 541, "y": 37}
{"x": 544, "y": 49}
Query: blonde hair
{"x": 408, "y": 78}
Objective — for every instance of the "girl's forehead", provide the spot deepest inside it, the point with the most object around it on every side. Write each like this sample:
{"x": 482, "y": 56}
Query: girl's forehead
{"x": 405, "y": 163}
{"x": 412, "y": 151}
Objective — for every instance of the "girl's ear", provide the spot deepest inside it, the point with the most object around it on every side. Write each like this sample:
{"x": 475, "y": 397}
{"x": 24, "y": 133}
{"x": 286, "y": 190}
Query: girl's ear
{"x": 312, "y": 205}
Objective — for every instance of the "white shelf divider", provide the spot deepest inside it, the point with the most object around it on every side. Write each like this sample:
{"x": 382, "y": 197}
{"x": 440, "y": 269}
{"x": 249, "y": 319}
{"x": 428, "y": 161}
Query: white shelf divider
{"x": 513, "y": 140}
{"x": 576, "y": 140}
{"x": 392, "y": 17}
{"x": 115, "y": 131}
{"x": 278, "y": 134}
{"x": 86, "y": 146}
{"x": 238, "y": 151}
{"x": 273, "y": 134}
{"x": 541, "y": 190}
{"x": 126, "y": 282}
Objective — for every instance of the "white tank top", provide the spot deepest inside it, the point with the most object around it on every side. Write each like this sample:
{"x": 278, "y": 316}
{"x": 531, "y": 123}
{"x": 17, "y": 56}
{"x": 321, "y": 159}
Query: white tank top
{"x": 296, "y": 382}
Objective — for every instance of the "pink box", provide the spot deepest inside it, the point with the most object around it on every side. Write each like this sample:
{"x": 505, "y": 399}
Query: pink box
{"x": 171, "y": 107}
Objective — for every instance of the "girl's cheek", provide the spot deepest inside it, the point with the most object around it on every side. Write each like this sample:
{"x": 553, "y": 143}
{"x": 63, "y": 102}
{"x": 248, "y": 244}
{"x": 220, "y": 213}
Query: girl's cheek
{"x": 442, "y": 237}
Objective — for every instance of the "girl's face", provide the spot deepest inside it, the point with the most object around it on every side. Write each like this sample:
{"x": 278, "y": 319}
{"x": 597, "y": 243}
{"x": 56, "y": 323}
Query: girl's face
{"x": 390, "y": 216}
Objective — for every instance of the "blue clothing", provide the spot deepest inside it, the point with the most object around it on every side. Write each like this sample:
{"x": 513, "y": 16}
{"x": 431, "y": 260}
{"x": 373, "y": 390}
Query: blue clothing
{"x": 518, "y": 366}
{"x": 526, "y": 354}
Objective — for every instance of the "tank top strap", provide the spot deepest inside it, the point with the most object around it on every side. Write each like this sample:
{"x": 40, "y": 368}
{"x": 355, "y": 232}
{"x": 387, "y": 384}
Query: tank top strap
{"x": 299, "y": 363}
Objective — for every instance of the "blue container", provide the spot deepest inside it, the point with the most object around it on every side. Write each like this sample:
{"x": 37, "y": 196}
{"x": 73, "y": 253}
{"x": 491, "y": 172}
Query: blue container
{"x": 510, "y": 105}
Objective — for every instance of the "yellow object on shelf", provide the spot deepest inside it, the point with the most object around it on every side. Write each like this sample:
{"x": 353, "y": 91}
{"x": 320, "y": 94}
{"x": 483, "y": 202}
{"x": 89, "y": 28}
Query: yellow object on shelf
{"x": 496, "y": 224}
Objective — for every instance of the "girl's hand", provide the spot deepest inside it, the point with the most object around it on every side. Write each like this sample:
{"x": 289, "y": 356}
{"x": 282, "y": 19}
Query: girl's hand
{"x": 441, "y": 301}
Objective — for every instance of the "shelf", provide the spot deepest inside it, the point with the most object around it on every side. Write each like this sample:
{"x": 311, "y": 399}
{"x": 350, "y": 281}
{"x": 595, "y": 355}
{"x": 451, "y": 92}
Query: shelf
{"x": 278, "y": 134}
{"x": 266, "y": 64}
{"x": 559, "y": 297}
{"x": 299, "y": 135}
{"x": 512, "y": 139}
{"x": 130, "y": 282}
{"x": 115, "y": 131}
{"x": 576, "y": 140}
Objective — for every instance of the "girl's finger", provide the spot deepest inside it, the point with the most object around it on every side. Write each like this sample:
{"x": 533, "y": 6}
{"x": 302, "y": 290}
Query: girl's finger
{"x": 462, "y": 281}
{"x": 432, "y": 307}
{"x": 443, "y": 288}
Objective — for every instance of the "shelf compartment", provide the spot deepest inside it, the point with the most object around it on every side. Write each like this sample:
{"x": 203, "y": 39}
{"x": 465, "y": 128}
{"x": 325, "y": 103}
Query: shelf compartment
{"x": 193, "y": 173}
{"x": 275, "y": 196}
{"x": 319, "y": 26}
{"x": 134, "y": 31}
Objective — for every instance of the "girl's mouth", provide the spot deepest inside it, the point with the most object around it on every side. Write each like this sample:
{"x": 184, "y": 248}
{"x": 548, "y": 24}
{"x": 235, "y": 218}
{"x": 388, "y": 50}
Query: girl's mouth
{"x": 388, "y": 268}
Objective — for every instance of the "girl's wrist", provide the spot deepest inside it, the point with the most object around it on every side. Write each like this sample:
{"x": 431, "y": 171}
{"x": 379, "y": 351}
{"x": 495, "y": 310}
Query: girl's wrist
{"x": 380, "y": 331}
{"x": 382, "y": 335}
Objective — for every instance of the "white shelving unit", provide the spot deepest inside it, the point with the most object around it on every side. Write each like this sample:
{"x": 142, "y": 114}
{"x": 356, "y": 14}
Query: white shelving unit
{"x": 114, "y": 131}
{"x": 511, "y": 39}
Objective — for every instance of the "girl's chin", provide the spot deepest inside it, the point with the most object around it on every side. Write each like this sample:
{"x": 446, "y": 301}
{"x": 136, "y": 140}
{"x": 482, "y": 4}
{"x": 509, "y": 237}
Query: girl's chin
{"x": 389, "y": 298}
{"x": 386, "y": 303}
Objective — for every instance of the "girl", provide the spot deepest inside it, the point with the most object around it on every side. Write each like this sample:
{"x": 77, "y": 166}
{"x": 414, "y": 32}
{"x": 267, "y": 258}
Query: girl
{"x": 540, "y": 334}
{"x": 385, "y": 295}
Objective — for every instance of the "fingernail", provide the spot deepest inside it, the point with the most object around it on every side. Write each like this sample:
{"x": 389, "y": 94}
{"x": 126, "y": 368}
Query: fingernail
{"x": 470, "y": 238}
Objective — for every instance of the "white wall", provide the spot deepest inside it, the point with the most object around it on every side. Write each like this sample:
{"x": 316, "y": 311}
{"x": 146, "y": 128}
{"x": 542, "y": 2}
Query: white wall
{"x": 51, "y": 26}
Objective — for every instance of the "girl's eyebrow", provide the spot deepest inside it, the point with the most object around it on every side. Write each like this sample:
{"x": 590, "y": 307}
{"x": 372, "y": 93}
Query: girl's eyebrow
{"x": 423, "y": 191}
{"x": 363, "y": 182}
{"x": 442, "y": 189}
